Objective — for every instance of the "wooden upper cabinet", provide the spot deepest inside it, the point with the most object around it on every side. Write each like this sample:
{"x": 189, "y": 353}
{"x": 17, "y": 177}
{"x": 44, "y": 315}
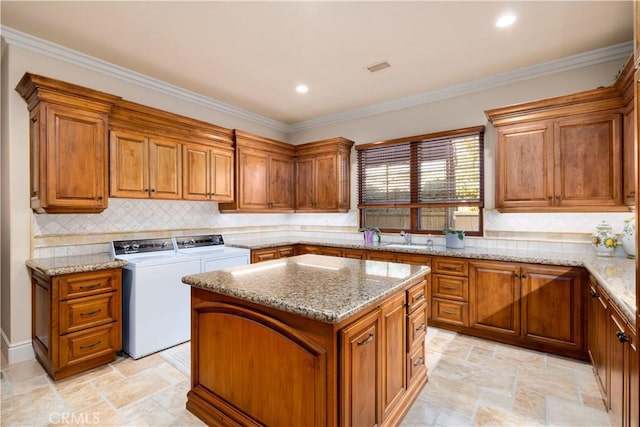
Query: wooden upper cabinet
{"x": 68, "y": 138}
{"x": 160, "y": 155}
{"x": 560, "y": 154}
{"x": 264, "y": 175}
{"x": 322, "y": 175}
{"x": 625, "y": 86}
{"x": 207, "y": 173}
{"x": 587, "y": 151}
{"x": 142, "y": 167}
{"x": 524, "y": 166}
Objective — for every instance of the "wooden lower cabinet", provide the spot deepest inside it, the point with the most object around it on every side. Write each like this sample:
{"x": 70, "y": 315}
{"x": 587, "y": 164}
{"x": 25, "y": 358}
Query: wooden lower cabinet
{"x": 361, "y": 362}
{"x": 76, "y": 320}
{"x": 494, "y": 297}
{"x": 597, "y": 308}
{"x": 267, "y": 254}
{"x": 283, "y": 369}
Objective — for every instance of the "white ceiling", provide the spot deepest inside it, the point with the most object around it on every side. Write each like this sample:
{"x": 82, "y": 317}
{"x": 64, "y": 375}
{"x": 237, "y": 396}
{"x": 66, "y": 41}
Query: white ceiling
{"x": 252, "y": 54}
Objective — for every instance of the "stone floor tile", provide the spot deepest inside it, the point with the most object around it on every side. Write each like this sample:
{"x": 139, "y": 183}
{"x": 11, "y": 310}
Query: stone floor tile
{"x": 129, "y": 366}
{"x": 37, "y": 408}
{"x": 567, "y": 413}
{"x": 173, "y": 399}
{"x": 131, "y": 389}
{"x": 24, "y": 371}
{"x": 101, "y": 414}
{"x": 146, "y": 413}
{"x": 491, "y": 417}
{"x": 81, "y": 396}
{"x": 530, "y": 405}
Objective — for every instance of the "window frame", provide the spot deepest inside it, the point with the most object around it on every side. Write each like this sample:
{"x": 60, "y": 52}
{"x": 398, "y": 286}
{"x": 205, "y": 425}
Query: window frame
{"x": 414, "y": 205}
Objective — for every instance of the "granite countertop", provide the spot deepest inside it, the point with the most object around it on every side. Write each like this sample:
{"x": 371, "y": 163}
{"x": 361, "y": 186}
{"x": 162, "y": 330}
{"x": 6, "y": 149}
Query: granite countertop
{"x": 615, "y": 274}
{"x": 74, "y": 264}
{"x": 329, "y": 289}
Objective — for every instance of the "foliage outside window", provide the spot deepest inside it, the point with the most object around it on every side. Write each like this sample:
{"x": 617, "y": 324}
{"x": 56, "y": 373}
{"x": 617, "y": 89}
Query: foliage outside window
{"x": 423, "y": 184}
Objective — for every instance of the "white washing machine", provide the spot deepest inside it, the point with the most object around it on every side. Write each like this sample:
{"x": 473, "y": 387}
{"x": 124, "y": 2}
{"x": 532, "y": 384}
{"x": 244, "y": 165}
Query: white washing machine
{"x": 213, "y": 254}
{"x": 156, "y": 305}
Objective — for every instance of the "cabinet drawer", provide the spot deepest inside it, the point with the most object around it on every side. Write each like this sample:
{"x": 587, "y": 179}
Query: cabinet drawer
{"x": 416, "y": 295}
{"x": 81, "y": 313}
{"x": 416, "y": 364}
{"x": 456, "y": 288}
{"x": 456, "y": 313}
{"x": 450, "y": 266}
{"x": 89, "y": 343}
{"x": 416, "y": 328}
{"x": 286, "y": 252}
{"x": 85, "y": 284}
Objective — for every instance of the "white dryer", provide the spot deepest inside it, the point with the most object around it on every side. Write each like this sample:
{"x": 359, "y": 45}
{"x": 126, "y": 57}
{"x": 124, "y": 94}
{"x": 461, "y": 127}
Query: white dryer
{"x": 213, "y": 253}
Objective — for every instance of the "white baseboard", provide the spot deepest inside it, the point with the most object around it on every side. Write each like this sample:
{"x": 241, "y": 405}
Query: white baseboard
{"x": 16, "y": 352}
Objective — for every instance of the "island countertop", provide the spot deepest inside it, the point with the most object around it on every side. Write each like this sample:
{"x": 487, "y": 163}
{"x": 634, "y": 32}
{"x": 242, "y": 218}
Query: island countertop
{"x": 329, "y": 289}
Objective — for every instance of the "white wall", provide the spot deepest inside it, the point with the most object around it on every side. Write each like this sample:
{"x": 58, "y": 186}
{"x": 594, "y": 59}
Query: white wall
{"x": 21, "y": 229}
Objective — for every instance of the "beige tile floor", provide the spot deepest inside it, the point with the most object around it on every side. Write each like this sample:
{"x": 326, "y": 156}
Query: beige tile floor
{"x": 472, "y": 382}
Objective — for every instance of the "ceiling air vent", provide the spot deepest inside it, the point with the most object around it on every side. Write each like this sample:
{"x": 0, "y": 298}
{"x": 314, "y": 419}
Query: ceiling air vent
{"x": 379, "y": 66}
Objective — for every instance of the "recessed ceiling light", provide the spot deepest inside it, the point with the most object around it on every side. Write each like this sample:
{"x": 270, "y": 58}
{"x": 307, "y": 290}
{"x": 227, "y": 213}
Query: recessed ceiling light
{"x": 302, "y": 89}
{"x": 505, "y": 20}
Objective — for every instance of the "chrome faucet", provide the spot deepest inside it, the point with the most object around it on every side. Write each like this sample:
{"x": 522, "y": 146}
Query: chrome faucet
{"x": 407, "y": 237}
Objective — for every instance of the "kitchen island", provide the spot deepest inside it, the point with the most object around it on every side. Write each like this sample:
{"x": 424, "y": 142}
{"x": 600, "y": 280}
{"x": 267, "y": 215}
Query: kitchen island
{"x": 307, "y": 340}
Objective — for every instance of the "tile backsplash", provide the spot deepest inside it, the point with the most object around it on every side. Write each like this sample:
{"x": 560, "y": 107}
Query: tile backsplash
{"x": 61, "y": 234}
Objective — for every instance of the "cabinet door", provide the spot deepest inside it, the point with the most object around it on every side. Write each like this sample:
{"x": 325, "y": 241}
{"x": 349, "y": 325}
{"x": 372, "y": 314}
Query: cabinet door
{"x": 305, "y": 190}
{"x": 588, "y": 158}
{"x": 253, "y": 177}
{"x": 597, "y": 324}
{"x": 221, "y": 176}
{"x": 524, "y": 166}
{"x": 628, "y": 156}
{"x": 196, "y": 172}
{"x": 360, "y": 382}
{"x": 75, "y": 170}
{"x": 616, "y": 368}
{"x": 633, "y": 375}
{"x": 129, "y": 165}
{"x": 326, "y": 183}
{"x": 165, "y": 169}
{"x": 281, "y": 173}
{"x": 494, "y": 298}
{"x": 551, "y": 306}
{"x": 393, "y": 333}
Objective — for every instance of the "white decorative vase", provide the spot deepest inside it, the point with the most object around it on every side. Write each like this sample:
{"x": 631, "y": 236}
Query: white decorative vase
{"x": 454, "y": 242}
{"x": 603, "y": 240}
{"x": 629, "y": 237}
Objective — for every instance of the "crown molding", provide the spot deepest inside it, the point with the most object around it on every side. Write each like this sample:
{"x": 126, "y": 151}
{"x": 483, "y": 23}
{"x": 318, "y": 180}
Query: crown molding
{"x": 611, "y": 53}
{"x": 61, "y": 53}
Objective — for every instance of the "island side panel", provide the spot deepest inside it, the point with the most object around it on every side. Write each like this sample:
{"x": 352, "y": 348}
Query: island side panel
{"x": 276, "y": 366}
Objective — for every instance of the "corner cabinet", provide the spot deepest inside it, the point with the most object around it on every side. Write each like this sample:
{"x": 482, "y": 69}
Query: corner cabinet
{"x": 68, "y": 138}
{"x": 322, "y": 176}
{"x": 264, "y": 175}
{"x": 76, "y": 320}
{"x": 560, "y": 154}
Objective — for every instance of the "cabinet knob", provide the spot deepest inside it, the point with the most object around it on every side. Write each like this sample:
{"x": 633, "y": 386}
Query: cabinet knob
{"x": 34, "y": 119}
{"x": 622, "y": 337}
{"x": 153, "y": 190}
{"x": 550, "y": 198}
{"x": 524, "y": 276}
{"x": 593, "y": 293}
{"x": 419, "y": 362}
{"x": 100, "y": 197}
{"x": 516, "y": 275}
{"x": 367, "y": 340}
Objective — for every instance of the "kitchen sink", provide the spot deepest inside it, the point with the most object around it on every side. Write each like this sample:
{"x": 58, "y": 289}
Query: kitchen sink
{"x": 407, "y": 246}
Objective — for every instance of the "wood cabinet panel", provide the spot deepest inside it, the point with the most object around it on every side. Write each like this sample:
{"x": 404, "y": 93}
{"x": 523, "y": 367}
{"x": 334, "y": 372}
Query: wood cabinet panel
{"x": 305, "y": 183}
{"x": 361, "y": 366}
{"x": 417, "y": 327}
{"x": 525, "y": 152}
{"x": 267, "y": 254}
{"x": 597, "y": 332}
{"x": 165, "y": 169}
{"x": 452, "y": 312}
{"x": 81, "y": 313}
{"x": 494, "y": 297}
{"x": 450, "y": 266}
{"x": 588, "y": 160}
{"x": 552, "y": 306}
{"x": 450, "y": 287}
{"x": 281, "y": 173}
{"x": 394, "y": 335}
{"x": 207, "y": 173}
{"x": 253, "y": 178}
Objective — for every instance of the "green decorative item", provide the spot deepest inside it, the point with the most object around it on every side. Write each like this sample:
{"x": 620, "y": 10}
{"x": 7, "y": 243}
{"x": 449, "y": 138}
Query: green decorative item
{"x": 454, "y": 238}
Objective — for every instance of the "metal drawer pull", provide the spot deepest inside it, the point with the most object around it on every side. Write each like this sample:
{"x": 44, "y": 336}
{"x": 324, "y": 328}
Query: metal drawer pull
{"x": 93, "y": 344}
{"x": 449, "y": 312}
{"x": 366, "y": 340}
{"x": 448, "y": 267}
{"x": 91, "y": 313}
{"x": 89, "y": 287}
{"x": 421, "y": 327}
{"x": 419, "y": 297}
{"x": 451, "y": 288}
{"x": 419, "y": 362}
